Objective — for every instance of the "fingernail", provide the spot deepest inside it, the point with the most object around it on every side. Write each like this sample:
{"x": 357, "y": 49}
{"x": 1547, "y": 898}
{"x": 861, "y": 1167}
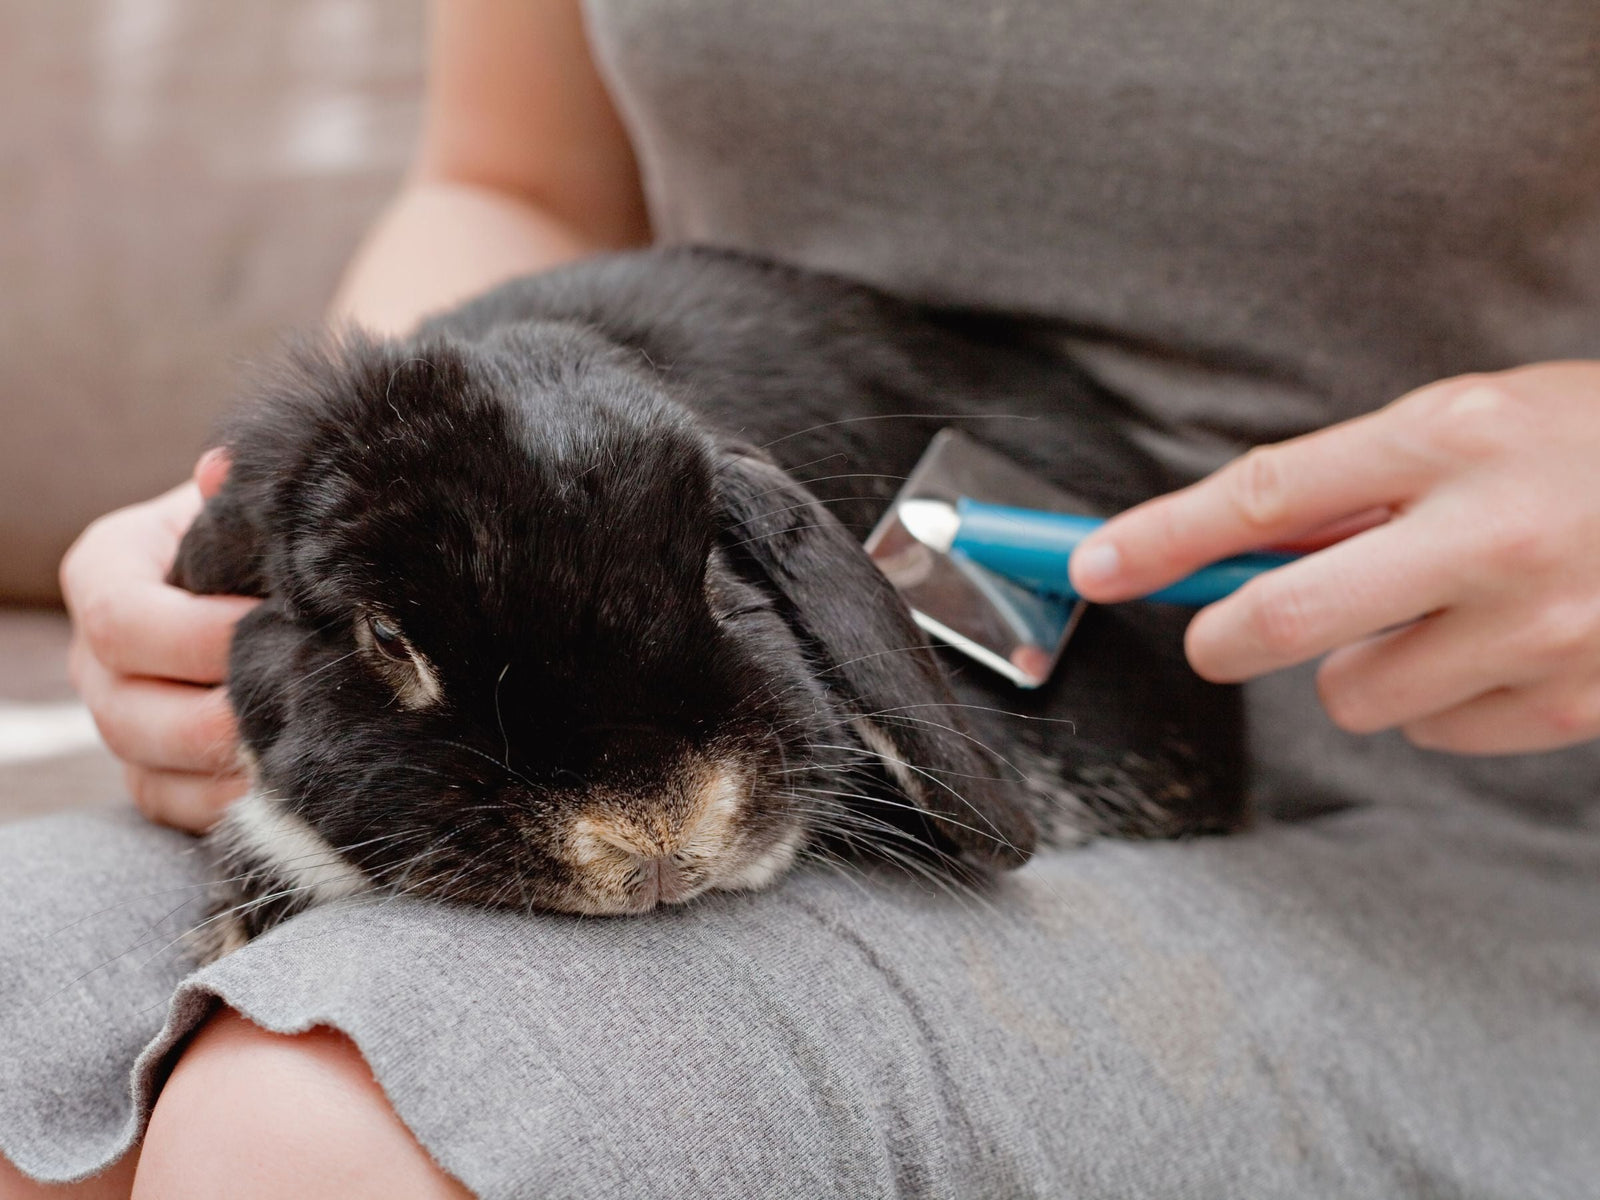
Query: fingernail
{"x": 1096, "y": 563}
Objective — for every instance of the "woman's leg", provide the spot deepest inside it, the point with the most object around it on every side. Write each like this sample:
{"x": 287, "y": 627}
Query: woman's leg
{"x": 249, "y": 1113}
{"x": 115, "y": 1184}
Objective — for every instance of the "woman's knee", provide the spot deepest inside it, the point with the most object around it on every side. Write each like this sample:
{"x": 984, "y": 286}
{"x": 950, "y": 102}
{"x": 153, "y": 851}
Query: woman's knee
{"x": 249, "y": 1113}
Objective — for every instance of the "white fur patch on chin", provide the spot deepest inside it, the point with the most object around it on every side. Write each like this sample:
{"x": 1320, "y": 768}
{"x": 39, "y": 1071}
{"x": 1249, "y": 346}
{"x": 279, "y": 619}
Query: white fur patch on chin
{"x": 263, "y": 827}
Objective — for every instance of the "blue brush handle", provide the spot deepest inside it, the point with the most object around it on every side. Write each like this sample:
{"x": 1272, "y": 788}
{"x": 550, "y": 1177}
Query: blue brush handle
{"x": 1031, "y": 547}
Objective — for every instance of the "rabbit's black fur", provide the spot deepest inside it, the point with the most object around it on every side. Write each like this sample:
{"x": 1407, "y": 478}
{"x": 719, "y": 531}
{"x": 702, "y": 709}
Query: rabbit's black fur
{"x": 565, "y": 605}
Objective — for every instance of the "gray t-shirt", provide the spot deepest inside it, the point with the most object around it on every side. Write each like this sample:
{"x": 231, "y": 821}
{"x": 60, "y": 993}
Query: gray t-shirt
{"x": 1250, "y": 217}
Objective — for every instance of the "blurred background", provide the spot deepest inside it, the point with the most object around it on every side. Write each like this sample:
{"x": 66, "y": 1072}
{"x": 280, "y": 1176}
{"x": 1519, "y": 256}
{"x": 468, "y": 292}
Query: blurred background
{"x": 181, "y": 182}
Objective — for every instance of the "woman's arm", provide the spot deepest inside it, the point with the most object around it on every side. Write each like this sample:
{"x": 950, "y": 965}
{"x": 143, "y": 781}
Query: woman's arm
{"x": 522, "y": 164}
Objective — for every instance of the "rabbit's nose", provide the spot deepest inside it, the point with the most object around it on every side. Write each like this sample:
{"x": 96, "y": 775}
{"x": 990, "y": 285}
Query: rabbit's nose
{"x": 638, "y": 853}
{"x": 663, "y": 881}
{"x": 642, "y": 872}
{"x": 646, "y": 862}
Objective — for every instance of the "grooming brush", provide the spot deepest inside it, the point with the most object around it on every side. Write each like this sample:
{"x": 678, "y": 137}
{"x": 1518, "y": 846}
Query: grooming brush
{"x": 979, "y": 549}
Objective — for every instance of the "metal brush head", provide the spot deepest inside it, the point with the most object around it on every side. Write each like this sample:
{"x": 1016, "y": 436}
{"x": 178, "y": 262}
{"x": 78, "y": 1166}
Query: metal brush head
{"x": 1005, "y": 627}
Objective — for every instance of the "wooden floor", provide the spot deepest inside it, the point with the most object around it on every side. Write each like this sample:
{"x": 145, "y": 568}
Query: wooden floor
{"x": 50, "y": 755}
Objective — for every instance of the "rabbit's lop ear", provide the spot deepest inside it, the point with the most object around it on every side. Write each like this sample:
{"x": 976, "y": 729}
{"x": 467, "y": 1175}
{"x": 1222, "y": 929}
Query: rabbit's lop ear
{"x": 873, "y": 659}
{"x": 223, "y": 552}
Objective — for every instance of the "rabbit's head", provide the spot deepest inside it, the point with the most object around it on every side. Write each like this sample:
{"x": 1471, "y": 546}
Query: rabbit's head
{"x": 535, "y": 637}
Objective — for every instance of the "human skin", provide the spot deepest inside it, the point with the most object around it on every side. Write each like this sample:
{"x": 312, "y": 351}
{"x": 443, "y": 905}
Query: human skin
{"x": 115, "y": 1184}
{"x": 1466, "y": 610}
{"x": 251, "y": 1115}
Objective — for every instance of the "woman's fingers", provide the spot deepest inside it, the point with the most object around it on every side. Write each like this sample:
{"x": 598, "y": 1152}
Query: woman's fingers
{"x": 1336, "y": 531}
{"x": 163, "y": 632}
{"x": 1342, "y": 476}
{"x": 1428, "y": 667}
{"x": 1342, "y": 594}
{"x": 133, "y": 621}
{"x": 139, "y": 540}
{"x": 182, "y": 800}
{"x": 156, "y": 724}
{"x": 141, "y": 647}
{"x": 1273, "y": 494}
{"x": 1545, "y": 716}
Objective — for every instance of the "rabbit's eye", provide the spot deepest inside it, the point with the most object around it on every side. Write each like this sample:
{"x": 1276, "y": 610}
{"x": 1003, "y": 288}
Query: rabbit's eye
{"x": 388, "y": 640}
{"x": 397, "y": 661}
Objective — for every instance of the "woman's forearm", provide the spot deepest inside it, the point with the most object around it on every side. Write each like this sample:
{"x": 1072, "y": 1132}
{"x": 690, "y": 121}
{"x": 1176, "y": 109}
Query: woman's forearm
{"x": 440, "y": 242}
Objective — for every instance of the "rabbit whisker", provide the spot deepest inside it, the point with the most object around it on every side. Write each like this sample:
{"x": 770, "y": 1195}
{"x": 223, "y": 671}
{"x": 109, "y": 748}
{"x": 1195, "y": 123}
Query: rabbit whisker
{"x": 922, "y": 416}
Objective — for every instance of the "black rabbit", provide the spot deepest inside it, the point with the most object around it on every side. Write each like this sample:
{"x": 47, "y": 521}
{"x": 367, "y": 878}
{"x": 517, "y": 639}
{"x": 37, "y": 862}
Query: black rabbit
{"x": 565, "y": 605}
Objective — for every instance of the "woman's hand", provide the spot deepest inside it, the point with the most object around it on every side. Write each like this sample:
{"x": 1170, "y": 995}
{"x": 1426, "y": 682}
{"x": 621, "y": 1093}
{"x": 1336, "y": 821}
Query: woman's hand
{"x": 147, "y": 657}
{"x": 1464, "y": 604}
